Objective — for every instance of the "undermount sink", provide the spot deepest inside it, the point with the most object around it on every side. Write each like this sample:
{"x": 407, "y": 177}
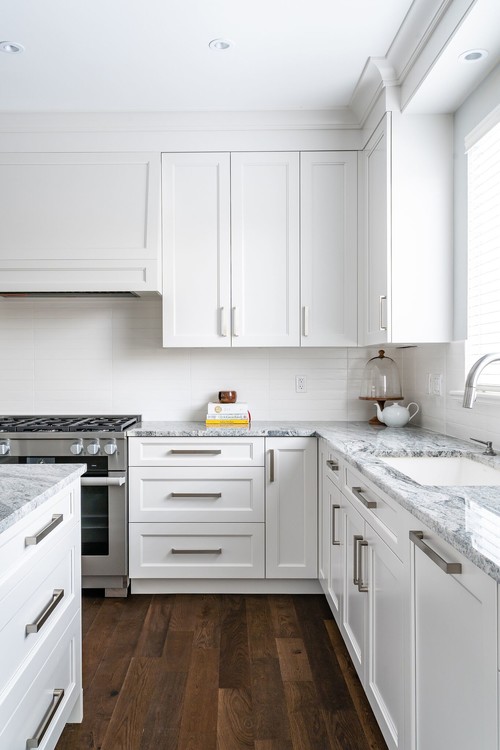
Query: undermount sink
{"x": 446, "y": 471}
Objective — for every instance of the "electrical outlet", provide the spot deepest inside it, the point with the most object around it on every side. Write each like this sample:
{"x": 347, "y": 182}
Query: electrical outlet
{"x": 300, "y": 384}
{"x": 437, "y": 384}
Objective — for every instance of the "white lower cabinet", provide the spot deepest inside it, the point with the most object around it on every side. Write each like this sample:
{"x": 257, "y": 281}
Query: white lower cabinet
{"x": 454, "y": 616}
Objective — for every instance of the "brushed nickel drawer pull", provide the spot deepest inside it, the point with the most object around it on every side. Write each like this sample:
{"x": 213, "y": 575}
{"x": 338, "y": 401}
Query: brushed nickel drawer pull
{"x": 362, "y": 587}
{"x": 103, "y": 481}
{"x": 358, "y": 492}
{"x": 57, "y": 518}
{"x": 334, "y": 541}
{"x": 214, "y": 495}
{"x": 332, "y": 465}
{"x": 195, "y": 453}
{"x": 417, "y": 537}
{"x": 57, "y": 697}
{"x": 217, "y": 551}
{"x": 35, "y": 627}
{"x": 355, "y": 572}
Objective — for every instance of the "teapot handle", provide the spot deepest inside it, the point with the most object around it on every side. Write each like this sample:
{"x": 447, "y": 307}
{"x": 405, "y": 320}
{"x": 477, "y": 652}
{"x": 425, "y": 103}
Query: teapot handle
{"x": 412, "y": 403}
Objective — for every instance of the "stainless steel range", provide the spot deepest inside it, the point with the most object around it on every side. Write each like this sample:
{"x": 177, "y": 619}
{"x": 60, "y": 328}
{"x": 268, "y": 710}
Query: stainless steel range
{"x": 100, "y": 442}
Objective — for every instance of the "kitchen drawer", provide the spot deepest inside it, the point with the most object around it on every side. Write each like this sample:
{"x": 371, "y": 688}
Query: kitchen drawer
{"x": 46, "y": 524}
{"x": 385, "y": 516}
{"x": 23, "y": 708}
{"x": 43, "y": 594}
{"x": 220, "y": 550}
{"x": 196, "y": 494}
{"x": 229, "y": 451}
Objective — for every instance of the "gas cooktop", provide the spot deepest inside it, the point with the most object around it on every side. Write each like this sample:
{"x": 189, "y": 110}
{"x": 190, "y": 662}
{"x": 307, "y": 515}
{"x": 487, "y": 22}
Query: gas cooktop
{"x": 90, "y": 423}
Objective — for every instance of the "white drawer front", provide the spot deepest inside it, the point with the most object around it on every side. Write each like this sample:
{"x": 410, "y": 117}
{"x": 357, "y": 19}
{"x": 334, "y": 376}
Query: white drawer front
{"x": 48, "y": 524}
{"x": 196, "y": 494}
{"x": 196, "y": 451}
{"x": 196, "y": 550}
{"x": 25, "y": 706}
{"x": 39, "y": 600}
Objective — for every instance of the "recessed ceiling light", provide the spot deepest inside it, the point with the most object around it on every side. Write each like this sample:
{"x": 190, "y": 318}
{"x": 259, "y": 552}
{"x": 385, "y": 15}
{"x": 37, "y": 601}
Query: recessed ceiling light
{"x": 220, "y": 44}
{"x": 473, "y": 55}
{"x": 11, "y": 48}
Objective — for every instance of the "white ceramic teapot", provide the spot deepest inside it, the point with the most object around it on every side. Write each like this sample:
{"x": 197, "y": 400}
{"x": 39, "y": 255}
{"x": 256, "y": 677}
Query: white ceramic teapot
{"x": 395, "y": 415}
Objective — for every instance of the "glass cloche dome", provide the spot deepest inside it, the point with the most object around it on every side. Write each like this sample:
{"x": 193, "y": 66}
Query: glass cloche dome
{"x": 380, "y": 381}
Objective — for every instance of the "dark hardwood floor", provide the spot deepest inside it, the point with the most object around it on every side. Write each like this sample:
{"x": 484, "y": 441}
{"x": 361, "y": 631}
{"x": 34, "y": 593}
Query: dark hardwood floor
{"x": 218, "y": 672}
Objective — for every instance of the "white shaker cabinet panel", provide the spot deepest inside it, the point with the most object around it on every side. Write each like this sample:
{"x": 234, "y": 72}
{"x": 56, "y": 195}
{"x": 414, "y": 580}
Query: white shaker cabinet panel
{"x": 328, "y": 191}
{"x": 197, "y": 251}
{"x": 265, "y": 249}
{"x": 80, "y": 222}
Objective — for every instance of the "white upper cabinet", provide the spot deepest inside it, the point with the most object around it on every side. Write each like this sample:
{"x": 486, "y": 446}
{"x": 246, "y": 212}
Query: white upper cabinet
{"x": 328, "y": 192}
{"x": 80, "y": 222}
{"x": 265, "y": 249}
{"x": 406, "y": 223}
{"x": 197, "y": 250}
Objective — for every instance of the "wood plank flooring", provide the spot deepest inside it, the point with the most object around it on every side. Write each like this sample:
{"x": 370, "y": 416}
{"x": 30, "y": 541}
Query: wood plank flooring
{"x": 218, "y": 672}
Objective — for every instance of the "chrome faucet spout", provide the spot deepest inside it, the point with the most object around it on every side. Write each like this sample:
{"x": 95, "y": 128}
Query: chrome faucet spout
{"x": 473, "y": 376}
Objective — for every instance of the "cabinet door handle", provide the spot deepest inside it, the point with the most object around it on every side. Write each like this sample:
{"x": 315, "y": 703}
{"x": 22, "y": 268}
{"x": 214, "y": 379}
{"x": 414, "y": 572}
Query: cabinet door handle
{"x": 382, "y": 298}
{"x": 417, "y": 537}
{"x": 334, "y": 541}
{"x": 355, "y": 570}
{"x": 214, "y": 495}
{"x": 35, "y": 627}
{"x": 358, "y": 492}
{"x": 362, "y": 586}
{"x": 332, "y": 465}
{"x": 223, "y": 322}
{"x": 57, "y": 518}
{"x": 217, "y": 551}
{"x": 271, "y": 465}
{"x": 236, "y": 322}
{"x": 306, "y": 320}
{"x": 195, "y": 453}
{"x": 57, "y": 697}
{"x": 103, "y": 481}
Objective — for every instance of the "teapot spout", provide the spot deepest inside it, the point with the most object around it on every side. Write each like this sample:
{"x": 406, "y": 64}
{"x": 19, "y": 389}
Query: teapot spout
{"x": 379, "y": 413}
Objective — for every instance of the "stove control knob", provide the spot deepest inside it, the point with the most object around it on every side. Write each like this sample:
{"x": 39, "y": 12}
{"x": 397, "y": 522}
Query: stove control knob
{"x": 76, "y": 448}
{"x": 4, "y": 447}
{"x": 110, "y": 447}
{"x": 94, "y": 447}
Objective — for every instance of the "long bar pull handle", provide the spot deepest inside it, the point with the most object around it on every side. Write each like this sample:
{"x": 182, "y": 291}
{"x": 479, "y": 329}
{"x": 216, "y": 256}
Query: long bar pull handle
{"x": 271, "y": 465}
{"x": 358, "y": 492}
{"x": 332, "y": 465}
{"x": 382, "y": 298}
{"x": 362, "y": 586}
{"x": 306, "y": 320}
{"x": 35, "y": 627}
{"x": 214, "y": 495}
{"x": 195, "y": 453}
{"x": 36, "y": 741}
{"x": 236, "y": 322}
{"x": 223, "y": 322}
{"x": 355, "y": 570}
{"x": 57, "y": 518}
{"x": 217, "y": 551}
{"x": 334, "y": 541}
{"x": 103, "y": 481}
{"x": 417, "y": 537}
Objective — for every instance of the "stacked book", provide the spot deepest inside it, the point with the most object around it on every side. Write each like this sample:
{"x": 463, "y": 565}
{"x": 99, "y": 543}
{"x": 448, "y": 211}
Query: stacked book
{"x": 226, "y": 415}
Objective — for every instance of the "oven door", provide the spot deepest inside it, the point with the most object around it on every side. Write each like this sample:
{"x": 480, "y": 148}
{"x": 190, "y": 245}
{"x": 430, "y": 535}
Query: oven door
{"x": 104, "y": 524}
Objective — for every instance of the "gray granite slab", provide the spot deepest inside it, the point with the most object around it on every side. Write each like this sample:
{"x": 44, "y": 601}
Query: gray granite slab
{"x": 24, "y": 487}
{"x": 468, "y": 518}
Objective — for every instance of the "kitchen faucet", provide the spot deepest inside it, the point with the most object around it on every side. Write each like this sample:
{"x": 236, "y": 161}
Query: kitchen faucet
{"x": 473, "y": 376}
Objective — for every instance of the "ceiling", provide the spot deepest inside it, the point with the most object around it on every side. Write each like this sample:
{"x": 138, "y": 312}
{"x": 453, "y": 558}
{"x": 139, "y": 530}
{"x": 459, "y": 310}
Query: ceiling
{"x": 128, "y": 55}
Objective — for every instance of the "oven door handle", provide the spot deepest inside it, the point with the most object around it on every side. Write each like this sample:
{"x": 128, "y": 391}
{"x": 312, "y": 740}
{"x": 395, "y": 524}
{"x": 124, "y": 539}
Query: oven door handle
{"x": 103, "y": 481}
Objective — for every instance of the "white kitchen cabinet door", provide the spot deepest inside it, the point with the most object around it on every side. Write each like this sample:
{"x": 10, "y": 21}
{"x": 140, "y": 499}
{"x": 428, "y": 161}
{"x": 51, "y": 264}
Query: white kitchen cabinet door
{"x": 265, "y": 249}
{"x": 455, "y": 644}
{"x": 355, "y": 604}
{"x": 80, "y": 222}
{"x": 328, "y": 230}
{"x": 291, "y": 507}
{"x": 336, "y": 549}
{"x": 196, "y": 250}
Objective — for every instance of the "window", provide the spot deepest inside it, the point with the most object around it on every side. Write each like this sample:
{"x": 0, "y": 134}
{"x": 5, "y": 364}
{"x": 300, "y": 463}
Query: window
{"x": 484, "y": 253}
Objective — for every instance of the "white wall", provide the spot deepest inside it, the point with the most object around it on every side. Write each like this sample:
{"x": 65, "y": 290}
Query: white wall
{"x": 105, "y": 356}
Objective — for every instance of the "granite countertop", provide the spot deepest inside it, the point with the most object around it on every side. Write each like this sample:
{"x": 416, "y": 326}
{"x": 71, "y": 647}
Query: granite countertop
{"x": 23, "y": 487}
{"x": 468, "y": 518}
